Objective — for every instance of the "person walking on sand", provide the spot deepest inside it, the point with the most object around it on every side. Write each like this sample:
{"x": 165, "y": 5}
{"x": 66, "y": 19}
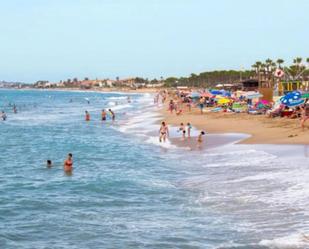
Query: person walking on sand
{"x": 171, "y": 106}
{"x": 163, "y": 132}
{"x": 103, "y": 115}
{"x": 189, "y": 127}
{"x": 68, "y": 163}
{"x": 201, "y": 104}
{"x": 112, "y": 114}
{"x": 305, "y": 116}
{"x": 182, "y": 129}
{"x": 200, "y": 139}
{"x": 87, "y": 116}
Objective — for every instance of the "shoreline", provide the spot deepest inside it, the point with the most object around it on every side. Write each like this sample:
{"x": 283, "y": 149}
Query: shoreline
{"x": 258, "y": 129}
{"x": 254, "y": 128}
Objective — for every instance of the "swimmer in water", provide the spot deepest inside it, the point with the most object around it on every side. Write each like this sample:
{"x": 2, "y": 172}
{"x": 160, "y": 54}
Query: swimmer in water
{"x": 103, "y": 115}
{"x": 3, "y": 116}
{"x": 87, "y": 116}
{"x": 163, "y": 132}
{"x": 49, "y": 163}
{"x": 129, "y": 99}
{"x": 68, "y": 163}
{"x": 112, "y": 114}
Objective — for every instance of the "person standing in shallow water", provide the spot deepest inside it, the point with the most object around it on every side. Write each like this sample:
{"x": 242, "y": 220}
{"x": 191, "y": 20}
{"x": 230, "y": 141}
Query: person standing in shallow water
{"x": 87, "y": 116}
{"x": 68, "y": 164}
{"x": 189, "y": 127}
{"x": 112, "y": 114}
{"x": 163, "y": 132}
{"x": 103, "y": 115}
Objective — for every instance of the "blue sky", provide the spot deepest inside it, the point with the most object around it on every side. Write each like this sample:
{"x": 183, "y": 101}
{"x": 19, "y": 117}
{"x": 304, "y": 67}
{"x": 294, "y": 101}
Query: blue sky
{"x": 60, "y": 39}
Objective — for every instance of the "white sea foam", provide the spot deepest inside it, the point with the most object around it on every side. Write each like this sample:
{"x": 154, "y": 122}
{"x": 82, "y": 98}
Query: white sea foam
{"x": 295, "y": 241}
{"x": 155, "y": 141}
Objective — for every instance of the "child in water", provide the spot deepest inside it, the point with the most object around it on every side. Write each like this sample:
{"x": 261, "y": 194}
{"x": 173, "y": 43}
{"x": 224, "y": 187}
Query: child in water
{"x": 200, "y": 139}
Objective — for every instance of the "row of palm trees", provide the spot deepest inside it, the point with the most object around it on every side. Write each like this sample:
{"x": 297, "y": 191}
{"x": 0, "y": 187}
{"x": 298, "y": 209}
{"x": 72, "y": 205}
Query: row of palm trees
{"x": 292, "y": 72}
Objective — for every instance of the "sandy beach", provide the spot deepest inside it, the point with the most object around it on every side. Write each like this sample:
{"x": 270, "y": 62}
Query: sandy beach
{"x": 262, "y": 130}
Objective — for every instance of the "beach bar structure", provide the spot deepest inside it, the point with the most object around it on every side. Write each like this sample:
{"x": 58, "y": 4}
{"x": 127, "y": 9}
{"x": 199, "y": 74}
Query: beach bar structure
{"x": 262, "y": 87}
{"x": 250, "y": 85}
{"x": 288, "y": 86}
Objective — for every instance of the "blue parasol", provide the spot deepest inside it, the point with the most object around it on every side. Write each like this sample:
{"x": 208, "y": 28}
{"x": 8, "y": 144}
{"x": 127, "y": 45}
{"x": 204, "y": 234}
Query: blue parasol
{"x": 216, "y": 92}
{"x": 292, "y": 99}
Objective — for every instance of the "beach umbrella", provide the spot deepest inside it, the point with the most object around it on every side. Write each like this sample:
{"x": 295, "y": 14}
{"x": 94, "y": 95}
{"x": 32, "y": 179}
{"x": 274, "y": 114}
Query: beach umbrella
{"x": 225, "y": 93}
{"x": 292, "y": 99}
{"x": 216, "y": 92}
{"x": 223, "y": 101}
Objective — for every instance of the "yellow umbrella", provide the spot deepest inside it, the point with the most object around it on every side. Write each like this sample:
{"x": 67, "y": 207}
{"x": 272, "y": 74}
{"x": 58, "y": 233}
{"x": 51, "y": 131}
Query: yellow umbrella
{"x": 223, "y": 101}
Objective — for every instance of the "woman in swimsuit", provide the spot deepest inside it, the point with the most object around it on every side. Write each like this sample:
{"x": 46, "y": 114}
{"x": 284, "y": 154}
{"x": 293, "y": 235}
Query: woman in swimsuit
{"x": 163, "y": 132}
{"x": 68, "y": 163}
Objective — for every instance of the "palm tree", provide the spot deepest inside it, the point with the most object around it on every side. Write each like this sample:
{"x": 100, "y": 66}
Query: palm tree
{"x": 297, "y": 70}
{"x": 307, "y": 60}
{"x": 297, "y": 60}
{"x": 280, "y": 62}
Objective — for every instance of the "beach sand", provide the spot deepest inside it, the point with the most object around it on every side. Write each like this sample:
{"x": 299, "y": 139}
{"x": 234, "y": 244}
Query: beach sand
{"x": 262, "y": 130}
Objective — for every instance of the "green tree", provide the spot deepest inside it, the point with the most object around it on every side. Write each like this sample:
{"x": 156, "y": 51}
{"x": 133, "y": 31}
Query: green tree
{"x": 280, "y": 62}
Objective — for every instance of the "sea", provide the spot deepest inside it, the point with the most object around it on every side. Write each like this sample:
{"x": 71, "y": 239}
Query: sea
{"x": 128, "y": 190}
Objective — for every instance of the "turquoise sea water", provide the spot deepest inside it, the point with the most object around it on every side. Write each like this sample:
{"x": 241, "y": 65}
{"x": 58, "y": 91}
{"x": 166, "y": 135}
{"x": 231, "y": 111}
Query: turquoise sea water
{"x": 127, "y": 191}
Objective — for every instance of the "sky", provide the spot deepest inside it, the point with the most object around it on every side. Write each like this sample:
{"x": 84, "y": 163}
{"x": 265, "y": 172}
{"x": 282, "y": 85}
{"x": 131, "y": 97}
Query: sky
{"x": 60, "y": 39}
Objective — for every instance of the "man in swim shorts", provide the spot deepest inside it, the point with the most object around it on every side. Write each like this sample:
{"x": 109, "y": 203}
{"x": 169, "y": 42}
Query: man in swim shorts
{"x": 103, "y": 115}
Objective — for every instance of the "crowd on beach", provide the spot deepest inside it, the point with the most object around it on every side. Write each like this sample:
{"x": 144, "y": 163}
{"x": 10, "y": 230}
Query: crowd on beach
{"x": 293, "y": 105}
